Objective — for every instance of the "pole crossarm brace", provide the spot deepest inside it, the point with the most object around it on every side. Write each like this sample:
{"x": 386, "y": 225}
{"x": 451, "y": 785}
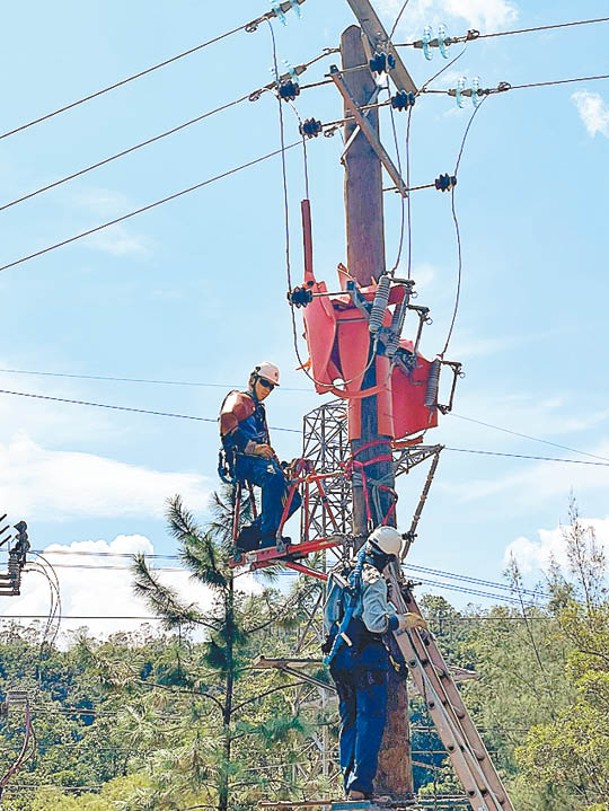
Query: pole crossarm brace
{"x": 368, "y": 131}
{"x": 293, "y": 667}
{"x": 379, "y": 40}
{"x": 406, "y": 459}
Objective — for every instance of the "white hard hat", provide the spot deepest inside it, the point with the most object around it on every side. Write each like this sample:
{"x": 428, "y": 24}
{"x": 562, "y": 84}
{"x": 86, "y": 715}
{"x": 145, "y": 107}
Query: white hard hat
{"x": 387, "y": 539}
{"x": 268, "y": 371}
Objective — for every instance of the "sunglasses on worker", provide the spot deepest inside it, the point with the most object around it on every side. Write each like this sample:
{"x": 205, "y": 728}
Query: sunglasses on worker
{"x": 266, "y": 384}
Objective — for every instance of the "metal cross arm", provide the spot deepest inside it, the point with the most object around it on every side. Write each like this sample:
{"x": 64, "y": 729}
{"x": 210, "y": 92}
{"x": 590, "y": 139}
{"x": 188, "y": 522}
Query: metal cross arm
{"x": 368, "y": 131}
{"x": 379, "y": 40}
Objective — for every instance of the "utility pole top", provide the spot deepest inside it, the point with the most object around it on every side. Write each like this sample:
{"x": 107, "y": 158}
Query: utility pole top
{"x": 379, "y": 41}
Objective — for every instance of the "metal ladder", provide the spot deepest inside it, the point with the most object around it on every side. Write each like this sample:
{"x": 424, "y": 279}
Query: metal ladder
{"x": 430, "y": 673}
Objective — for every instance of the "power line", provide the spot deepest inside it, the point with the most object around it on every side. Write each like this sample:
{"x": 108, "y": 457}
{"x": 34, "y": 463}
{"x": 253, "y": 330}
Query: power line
{"x": 148, "y": 207}
{"x": 252, "y": 96}
{"x": 121, "y": 154}
{"x": 503, "y": 87}
{"x": 132, "y": 379}
{"x": 527, "y": 436}
{"x": 474, "y": 35}
{"x": 276, "y": 428}
{"x": 458, "y": 233}
{"x": 536, "y": 458}
{"x": 249, "y": 27}
{"x": 224, "y": 386}
{"x": 125, "y": 408}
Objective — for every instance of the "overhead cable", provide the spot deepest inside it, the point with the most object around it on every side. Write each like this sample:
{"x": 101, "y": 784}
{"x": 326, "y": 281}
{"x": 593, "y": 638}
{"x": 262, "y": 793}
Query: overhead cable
{"x": 458, "y": 234}
{"x": 131, "y": 379}
{"x": 275, "y": 428}
{"x": 535, "y": 458}
{"x": 503, "y": 87}
{"x": 528, "y": 436}
{"x": 249, "y": 27}
{"x": 252, "y": 96}
{"x": 473, "y": 34}
{"x": 124, "y": 408}
{"x": 148, "y": 207}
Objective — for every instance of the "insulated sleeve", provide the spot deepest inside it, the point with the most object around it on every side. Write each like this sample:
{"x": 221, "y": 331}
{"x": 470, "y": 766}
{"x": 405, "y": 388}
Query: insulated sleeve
{"x": 376, "y": 614}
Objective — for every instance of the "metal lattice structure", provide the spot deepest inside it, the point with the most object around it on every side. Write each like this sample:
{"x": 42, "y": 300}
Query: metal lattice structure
{"x": 326, "y": 446}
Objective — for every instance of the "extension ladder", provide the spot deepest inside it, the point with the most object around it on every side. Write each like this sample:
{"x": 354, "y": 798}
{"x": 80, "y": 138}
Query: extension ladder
{"x": 432, "y": 678}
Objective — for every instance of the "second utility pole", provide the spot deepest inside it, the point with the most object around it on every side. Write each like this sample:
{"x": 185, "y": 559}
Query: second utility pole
{"x": 366, "y": 262}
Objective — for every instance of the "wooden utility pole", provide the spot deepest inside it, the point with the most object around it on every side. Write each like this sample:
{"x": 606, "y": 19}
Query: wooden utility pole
{"x": 366, "y": 261}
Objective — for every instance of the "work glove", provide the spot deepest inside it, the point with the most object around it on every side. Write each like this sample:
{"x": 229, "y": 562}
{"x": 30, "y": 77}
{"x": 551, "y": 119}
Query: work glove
{"x": 410, "y": 620}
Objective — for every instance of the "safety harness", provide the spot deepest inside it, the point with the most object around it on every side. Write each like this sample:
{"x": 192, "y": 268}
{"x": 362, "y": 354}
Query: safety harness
{"x": 351, "y": 590}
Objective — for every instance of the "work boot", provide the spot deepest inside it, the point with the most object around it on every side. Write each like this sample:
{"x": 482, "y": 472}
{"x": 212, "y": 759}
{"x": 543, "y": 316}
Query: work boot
{"x": 268, "y": 541}
{"x": 248, "y": 539}
{"x": 356, "y": 796}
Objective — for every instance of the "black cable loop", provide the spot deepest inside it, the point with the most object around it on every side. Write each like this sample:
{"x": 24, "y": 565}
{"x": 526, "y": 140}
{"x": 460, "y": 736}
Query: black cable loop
{"x": 458, "y": 233}
{"x": 282, "y": 150}
{"x": 399, "y": 160}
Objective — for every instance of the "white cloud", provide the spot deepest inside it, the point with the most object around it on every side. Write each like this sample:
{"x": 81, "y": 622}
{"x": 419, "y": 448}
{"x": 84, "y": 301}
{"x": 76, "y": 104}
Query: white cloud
{"x": 115, "y": 240}
{"x": 593, "y": 111}
{"x": 95, "y": 581}
{"x": 55, "y": 485}
{"x": 486, "y": 15}
{"x": 535, "y": 555}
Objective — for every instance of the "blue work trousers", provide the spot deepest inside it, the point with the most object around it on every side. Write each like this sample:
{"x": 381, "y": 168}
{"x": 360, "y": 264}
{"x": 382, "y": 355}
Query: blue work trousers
{"x": 362, "y": 703}
{"x": 268, "y": 475}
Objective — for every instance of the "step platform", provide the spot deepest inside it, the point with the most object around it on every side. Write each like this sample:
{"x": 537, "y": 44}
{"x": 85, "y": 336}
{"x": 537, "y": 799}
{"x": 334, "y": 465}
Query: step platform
{"x": 283, "y": 553}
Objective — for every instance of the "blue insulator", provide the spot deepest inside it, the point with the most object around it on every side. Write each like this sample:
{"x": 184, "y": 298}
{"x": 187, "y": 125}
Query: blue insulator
{"x": 476, "y": 98}
{"x": 433, "y": 384}
{"x": 288, "y": 90}
{"x": 300, "y": 296}
{"x": 381, "y": 63}
{"x": 443, "y": 40}
{"x": 377, "y": 63}
{"x": 427, "y": 38}
{"x": 402, "y": 100}
{"x": 279, "y": 13}
{"x": 297, "y": 9}
{"x": 310, "y": 128}
{"x": 461, "y": 85}
{"x": 379, "y": 305}
{"x": 445, "y": 182}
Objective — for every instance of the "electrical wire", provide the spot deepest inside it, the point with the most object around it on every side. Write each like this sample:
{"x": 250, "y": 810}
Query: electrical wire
{"x": 126, "y": 408}
{"x": 528, "y": 436}
{"x": 250, "y": 26}
{"x": 122, "y": 153}
{"x": 458, "y": 233}
{"x": 398, "y": 18}
{"x": 148, "y": 207}
{"x": 477, "y": 35}
{"x": 535, "y": 458}
{"x": 468, "y": 579}
{"x": 399, "y": 161}
{"x": 252, "y": 96}
{"x": 276, "y": 428}
{"x": 114, "y": 379}
{"x": 504, "y": 87}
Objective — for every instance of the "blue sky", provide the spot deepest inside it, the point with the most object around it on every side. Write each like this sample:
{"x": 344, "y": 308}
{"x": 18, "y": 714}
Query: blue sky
{"x": 194, "y": 290}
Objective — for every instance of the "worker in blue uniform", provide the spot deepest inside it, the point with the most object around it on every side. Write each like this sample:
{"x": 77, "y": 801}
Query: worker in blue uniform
{"x": 246, "y": 442}
{"x": 357, "y": 615}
